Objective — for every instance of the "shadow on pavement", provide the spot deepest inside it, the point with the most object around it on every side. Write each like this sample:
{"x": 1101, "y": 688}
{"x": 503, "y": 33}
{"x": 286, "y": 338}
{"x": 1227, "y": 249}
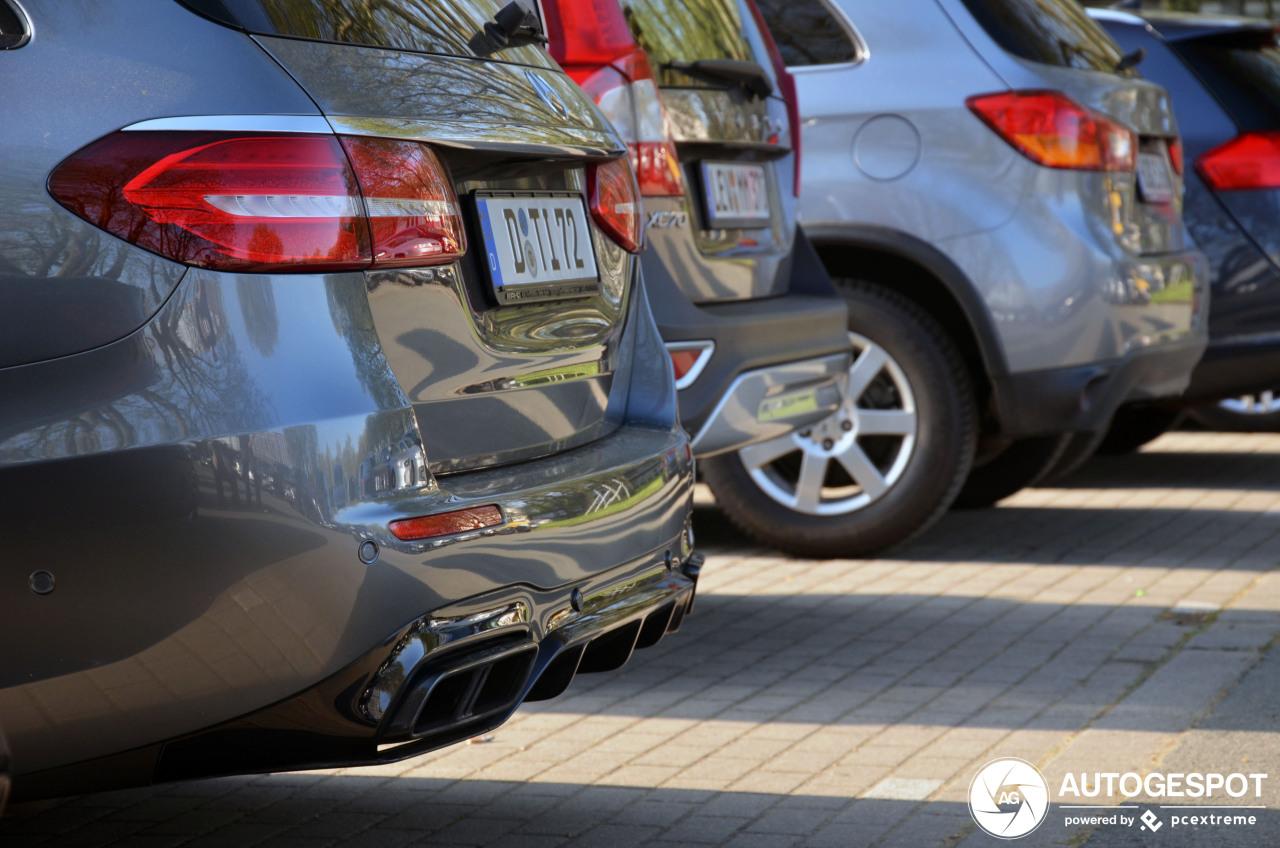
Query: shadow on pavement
{"x": 300, "y": 809}
{"x": 1075, "y": 536}
{"x": 1257, "y": 472}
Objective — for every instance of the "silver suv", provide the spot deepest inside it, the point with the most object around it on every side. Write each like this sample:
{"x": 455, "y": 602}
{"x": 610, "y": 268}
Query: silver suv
{"x": 999, "y": 200}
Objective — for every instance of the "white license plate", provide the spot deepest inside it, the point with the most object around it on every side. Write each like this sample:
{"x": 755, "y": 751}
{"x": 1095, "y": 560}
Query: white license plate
{"x": 537, "y": 247}
{"x": 1153, "y": 178}
{"x": 736, "y": 195}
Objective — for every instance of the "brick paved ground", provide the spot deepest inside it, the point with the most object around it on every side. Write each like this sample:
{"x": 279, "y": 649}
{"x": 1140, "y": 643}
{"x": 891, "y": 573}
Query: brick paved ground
{"x": 1091, "y": 627}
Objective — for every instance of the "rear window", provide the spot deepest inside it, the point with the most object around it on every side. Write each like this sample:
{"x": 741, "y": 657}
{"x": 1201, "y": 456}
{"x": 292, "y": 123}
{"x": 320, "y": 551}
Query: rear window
{"x": 689, "y": 30}
{"x": 421, "y": 26}
{"x": 1243, "y": 72}
{"x": 1052, "y": 32}
{"x": 808, "y": 32}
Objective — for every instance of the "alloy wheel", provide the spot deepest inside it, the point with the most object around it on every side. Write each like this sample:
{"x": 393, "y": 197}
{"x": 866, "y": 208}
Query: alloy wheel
{"x": 853, "y": 457}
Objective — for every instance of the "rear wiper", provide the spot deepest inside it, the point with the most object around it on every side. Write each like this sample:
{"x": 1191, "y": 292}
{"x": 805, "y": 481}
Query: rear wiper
{"x": 514, "y": 25}
{"x": 749, "y": 75}
{"x": 1131, "y": 60}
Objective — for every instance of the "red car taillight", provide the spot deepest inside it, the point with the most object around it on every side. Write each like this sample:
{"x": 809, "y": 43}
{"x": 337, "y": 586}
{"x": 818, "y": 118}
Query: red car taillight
{"x": 591, "y": 40}
{"x": 412, "y": 210}
{"x": 266, "y": 202}
{"x": 1248, "y": 161}
{"x": 786, "y": 86}
{"x": 1175, "y": 155}
{"x": 1052, "y": 130}
{"x": 615, "y": 202}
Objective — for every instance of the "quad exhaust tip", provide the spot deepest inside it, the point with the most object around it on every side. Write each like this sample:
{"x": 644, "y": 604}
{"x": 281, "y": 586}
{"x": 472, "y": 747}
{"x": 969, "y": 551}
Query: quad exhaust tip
{"x": 481, "y": 687}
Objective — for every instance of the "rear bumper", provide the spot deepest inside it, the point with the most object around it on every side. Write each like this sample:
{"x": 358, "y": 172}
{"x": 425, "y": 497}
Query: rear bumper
{"x": 208, "y": 531}
{"x": 1083, "y": 398}
{"x": 1234, "y": 367}
{"x": 801, "y": 329}
{"x": 448, "y": 676}
{"x": 771, "y": 402}
{"x": 1085, "y": 325}
{"x": 750, "y": 335}
{"x": 595, "y": 543}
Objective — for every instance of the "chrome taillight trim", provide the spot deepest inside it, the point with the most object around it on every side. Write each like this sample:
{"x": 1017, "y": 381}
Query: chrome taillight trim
{"x": 306, "y": 124}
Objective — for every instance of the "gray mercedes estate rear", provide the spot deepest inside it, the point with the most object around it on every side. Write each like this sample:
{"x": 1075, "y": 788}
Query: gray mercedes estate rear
{"x": 335, "y": 423}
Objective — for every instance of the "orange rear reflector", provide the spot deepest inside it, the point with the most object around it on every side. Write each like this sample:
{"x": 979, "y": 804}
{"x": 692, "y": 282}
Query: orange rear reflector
{"x": 446, "y": 523}
{"x": 682, "y": 361}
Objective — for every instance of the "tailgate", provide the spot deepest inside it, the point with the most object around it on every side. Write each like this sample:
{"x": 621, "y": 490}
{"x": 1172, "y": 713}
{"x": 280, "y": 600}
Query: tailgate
{"x": 735, "y": 151}
{"x": 1145, "y": 208}
{"x": 501, "y": 363}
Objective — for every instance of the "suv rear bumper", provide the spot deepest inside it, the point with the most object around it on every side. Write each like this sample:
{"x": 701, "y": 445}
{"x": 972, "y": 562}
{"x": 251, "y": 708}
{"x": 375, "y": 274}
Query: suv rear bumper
{"x": 773, "y": 401}
{"x": 764, "y": 349}
{"x": 1083, "y": 398}
{"x": 1088, "y": 324}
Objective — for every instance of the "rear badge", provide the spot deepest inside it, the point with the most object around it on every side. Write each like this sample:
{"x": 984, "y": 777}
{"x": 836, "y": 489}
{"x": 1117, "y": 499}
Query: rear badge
{"x": 547, "y": 94}
{"x": 662, "y": 220}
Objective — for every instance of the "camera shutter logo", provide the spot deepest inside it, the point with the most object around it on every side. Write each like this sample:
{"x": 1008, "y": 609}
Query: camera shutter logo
{"x": 1008, "y": 798}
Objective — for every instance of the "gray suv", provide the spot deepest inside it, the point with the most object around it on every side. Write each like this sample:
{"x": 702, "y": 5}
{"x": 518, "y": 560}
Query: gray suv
{"x": 999, "y": 200}
{"x": 335, "y": 423}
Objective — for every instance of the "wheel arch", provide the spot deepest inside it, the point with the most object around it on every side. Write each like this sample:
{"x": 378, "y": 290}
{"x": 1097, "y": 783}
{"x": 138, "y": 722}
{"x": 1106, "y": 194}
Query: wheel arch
{"x": 920, "y": 272}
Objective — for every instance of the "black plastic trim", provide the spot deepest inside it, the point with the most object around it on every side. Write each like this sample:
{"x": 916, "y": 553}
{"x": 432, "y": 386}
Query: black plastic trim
{"x": 1083, "y": 398}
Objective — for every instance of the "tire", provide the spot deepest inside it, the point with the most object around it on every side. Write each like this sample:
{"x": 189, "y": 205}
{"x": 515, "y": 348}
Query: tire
{"x": 869, "y": 490}
{"x": 1018, "y": 466}
{"x": 1134, "y": 426}
{"x": 1258, "y": 413}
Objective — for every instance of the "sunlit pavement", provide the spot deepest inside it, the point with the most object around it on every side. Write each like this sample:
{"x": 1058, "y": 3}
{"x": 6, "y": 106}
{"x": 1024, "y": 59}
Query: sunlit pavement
{"x": 1117, "y": 623}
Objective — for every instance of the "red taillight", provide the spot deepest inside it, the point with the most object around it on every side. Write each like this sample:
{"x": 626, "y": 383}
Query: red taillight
{"x": 591, "y": 39}
{"x": 587, "y": 34}
{"x": 446, "y": 523}
{"x": 1248, "y": 161}
{"x": 264, "y": 202}
{"x": 786, "y": 86}
{"x": 413, "y": 213}
{"x": 615, "y": 202}
{"x": 1052, "y": 130}
{"x": 1175, "y": 155}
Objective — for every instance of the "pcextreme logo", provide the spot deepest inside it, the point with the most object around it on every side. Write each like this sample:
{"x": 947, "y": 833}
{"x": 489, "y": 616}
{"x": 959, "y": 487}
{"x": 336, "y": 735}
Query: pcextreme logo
{"x": 1008, "y": 798}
